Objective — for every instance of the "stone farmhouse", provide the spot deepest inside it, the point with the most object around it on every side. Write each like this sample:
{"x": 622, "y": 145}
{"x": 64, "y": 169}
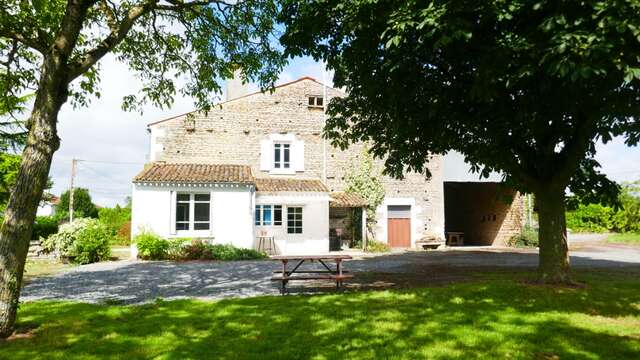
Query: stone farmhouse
{"x": 256, "y": 167}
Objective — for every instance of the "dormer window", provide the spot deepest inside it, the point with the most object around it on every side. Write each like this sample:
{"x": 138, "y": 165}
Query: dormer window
{"x": 281, "y": 155}
{"x": 316, "y": 102}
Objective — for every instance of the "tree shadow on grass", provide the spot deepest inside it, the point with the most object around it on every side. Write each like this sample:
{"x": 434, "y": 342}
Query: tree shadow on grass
{"x": 488, "y": 319}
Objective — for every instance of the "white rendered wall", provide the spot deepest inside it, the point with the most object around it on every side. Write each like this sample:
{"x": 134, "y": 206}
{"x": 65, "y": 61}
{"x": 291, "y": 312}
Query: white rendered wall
{"x": 315, "y": 223}
{"x": 153, "y": 209}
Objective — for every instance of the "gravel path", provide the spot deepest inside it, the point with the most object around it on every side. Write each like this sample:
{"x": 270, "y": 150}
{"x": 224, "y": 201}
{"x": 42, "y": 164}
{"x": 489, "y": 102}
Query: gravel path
{"x": 141, "y": 281}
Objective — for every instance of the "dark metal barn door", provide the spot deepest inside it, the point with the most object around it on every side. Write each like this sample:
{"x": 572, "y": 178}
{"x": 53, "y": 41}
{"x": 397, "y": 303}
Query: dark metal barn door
{"x": 399, "y": 226}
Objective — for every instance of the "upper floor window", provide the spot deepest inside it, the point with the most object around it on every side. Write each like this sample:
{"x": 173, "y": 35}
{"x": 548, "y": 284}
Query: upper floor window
{"x": 316, "y": 101}
{"x": 193, "y": 211}
{"x": 281, "y": 155}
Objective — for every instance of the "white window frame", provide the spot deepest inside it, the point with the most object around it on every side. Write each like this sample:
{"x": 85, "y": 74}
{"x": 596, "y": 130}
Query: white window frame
{"x": 192, "y": 213}
{"x": 259, "y": 218}
{"x": 295, "y": 227}
{"x": 281, "y": 164}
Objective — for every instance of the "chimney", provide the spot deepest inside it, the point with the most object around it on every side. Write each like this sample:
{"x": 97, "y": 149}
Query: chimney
{"x": 235, "y": 87}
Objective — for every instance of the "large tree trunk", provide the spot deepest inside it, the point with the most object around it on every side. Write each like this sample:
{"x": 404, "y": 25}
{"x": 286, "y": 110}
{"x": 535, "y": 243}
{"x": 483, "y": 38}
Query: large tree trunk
{"x": 554, "y": 252}
{"x": 15, "y": 234}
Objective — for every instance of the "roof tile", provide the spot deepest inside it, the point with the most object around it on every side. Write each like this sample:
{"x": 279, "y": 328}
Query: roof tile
{"x": 195, "y": 173}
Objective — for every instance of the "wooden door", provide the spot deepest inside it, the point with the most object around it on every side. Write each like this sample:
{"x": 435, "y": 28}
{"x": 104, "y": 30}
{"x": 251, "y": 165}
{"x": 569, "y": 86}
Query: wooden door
{"x": 399, "y": 232}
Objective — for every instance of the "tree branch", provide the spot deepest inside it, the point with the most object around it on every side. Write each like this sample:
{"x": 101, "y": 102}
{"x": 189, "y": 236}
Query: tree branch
{"x": 34, "y": 43}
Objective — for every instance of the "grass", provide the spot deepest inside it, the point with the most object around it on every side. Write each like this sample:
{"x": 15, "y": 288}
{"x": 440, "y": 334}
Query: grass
{"x": 500, "y": 318}
{"x": 625, "y": 238}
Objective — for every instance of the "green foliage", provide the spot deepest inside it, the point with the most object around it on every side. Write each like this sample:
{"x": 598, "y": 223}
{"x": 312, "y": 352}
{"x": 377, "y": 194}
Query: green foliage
{"x": 115, "y": 219}
{"x": 82, "y": 242}
{"x": 44, "y": 226}
{"x": 82, "y": 205}
{"x": 93, "y": 244}
{"x": 600, "y": 218}
{"x": 151, "y": 246}
{"x": 375, "y": 246}
{"x": 591, "y": 218}
{"x": 9, "y": 166}
{"x": 527, "y": 238}
{"x": 365, "y": 179}
{"x": 199, "y": 250}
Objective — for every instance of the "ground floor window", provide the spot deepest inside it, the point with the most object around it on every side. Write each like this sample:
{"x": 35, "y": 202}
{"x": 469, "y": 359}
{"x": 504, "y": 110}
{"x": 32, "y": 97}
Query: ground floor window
{"x": 193, "y": 211}
{"x": 294, "y": 220}
{"x": 267, "y": 215}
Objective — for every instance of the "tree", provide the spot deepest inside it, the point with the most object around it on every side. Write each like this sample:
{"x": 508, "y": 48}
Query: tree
{"x": 521, "y": 87}
{"x": 364, "y": 180}
{"x": 55, "y": 48}
{"x": 9, "y": 166}
{"x": 83, "y": 206}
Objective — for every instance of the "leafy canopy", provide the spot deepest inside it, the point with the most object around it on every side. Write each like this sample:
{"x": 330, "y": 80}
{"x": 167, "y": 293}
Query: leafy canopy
{"x": 83, "y": 206}
{"x": 521, "y": 87}
{"x": 172, "y": 46}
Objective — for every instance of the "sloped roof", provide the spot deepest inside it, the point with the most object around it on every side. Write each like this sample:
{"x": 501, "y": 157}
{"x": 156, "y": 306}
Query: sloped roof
{"x": 290, "y": 185}
{"x": 195, "y": 173}
{"x": 343, "y": 199}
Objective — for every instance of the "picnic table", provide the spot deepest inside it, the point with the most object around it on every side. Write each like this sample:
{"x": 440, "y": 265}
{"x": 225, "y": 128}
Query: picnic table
{"x": 336, "y": 274}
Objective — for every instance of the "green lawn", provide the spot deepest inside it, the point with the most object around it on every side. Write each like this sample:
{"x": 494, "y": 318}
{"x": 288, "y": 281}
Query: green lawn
{"x": 626, "y": 238}
{"x": 504, "y": 317}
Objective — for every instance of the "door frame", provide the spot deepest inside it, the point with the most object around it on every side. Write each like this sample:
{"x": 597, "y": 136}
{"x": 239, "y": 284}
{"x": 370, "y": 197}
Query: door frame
{"x": 384, "y": 207}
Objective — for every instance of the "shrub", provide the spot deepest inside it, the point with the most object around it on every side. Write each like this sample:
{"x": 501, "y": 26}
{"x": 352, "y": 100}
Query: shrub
{"x": 590, "y": 218}
{"x": 151, "y": 246}
{"x": 375, "y": 246}
{"x": 114, "y": 219}
{"x": 176, "y": 248}
{"x": 199, "y": 250}
{"x": 83, "y": 241}
{"x": 527, "y": 238}
{"x": 92, "y": 244}
{"x": 44, "y": 226}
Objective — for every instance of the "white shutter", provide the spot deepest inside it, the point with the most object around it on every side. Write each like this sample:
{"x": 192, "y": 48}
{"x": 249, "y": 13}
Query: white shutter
{"x": 172, "y": 213}
{"x": 266, "y": 155}
{"x": 297, "y": 156}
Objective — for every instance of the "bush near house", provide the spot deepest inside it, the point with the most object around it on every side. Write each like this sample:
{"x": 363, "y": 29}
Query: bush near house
{"x": 152, "y": 247}
{"x": 82, "y": 242}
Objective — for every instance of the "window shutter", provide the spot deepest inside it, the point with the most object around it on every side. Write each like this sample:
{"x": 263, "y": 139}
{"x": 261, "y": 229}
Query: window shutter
{"x": 172, "y": 212}
{"x": 297, "y": 155}
{"x": 266, "y": 155}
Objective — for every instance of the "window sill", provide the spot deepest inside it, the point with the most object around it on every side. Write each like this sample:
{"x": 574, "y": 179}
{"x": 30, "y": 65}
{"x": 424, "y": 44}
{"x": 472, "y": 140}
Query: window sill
{"x": 282, "y": 172}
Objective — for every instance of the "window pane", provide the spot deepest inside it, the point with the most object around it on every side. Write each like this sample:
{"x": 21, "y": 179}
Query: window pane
{"x": 286, "y": 155}
{"x": 201, "y": 212}
{"x": 201, "y": 226}
{"x": 319, "y": 101}
{"x": 311, "y": 101}
{"x": 258, "y": 216}
{"x": 203, "y": 197}
{"x": 182, "y": 226}
{"x": 277, "y": 215}
{"x": 184, "y": 197}
{"x": 266, "y": 215}
{"x": 182, "y": 212}
{"x": 276, "y": 155}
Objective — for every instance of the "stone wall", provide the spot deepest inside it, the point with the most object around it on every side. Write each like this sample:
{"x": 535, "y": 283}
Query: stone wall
{"x": 231, "y": 134}
{"x": 487, "y": 213}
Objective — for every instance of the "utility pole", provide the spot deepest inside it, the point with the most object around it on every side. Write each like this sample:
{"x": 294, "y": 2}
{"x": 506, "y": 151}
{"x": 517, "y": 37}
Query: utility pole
{"x": 74, "y": 164}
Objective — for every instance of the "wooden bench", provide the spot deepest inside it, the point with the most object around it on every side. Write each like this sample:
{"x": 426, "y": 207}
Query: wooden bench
{"x": 328, "y": 273}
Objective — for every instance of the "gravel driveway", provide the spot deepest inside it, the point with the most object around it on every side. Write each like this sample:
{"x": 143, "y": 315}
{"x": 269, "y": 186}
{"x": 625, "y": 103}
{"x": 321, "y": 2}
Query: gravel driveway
{"x": 141, "y": 281}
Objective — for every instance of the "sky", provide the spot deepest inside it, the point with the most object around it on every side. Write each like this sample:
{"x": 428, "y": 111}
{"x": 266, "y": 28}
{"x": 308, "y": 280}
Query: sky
{"x": 112, "y": 145}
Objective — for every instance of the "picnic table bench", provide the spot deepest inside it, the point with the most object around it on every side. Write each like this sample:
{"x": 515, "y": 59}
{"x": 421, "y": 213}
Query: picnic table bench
{"x": 328, "y": 273}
